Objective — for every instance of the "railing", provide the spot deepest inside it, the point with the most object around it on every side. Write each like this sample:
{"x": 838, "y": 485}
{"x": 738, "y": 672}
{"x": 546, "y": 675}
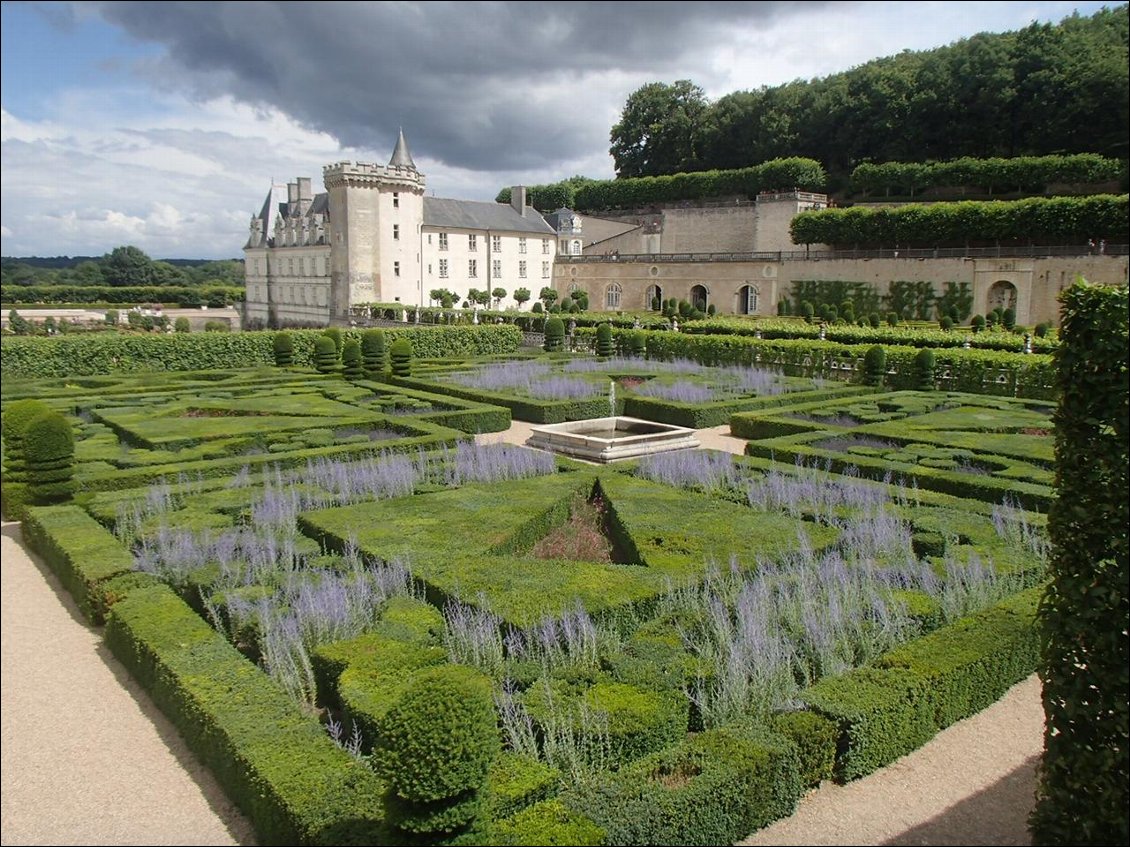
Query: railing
{"x": 1002, "y": 252}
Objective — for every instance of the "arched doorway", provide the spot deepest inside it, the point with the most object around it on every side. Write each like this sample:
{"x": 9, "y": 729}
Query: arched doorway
{"x": 699, "y": 297}
{"x": 748, "y": 299}
{"x": 653, "y": 298}
{"x": 1002, "y": 295}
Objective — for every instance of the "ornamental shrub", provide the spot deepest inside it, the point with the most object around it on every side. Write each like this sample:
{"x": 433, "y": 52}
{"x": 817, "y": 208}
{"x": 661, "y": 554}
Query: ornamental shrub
{"x": 14, "y": 424}
{"x": 946, "y": 323}
{"x": 334, "y": 333}
{"x": 554, "y": 335}
{"x": 49, "y": 457}
{"x": 284, "y": 349}
{"x": 892, "y": 319}
{"x": 807, "y": 311}
{"x": 373, "y": 353}
{"x": 604, "y": 340}
{"x": 1082, "y": 796}
{"x": 401, "y": 355}
{"x": 435, "y": 747}
{"x": 325, "y": 355}
{"x": 924, "y": 370}
{"x": 978, "y": 323}
{"x": 874, "y": 366}
{"x": 112, "y": 317}
{"x": 181, "y": 324}
{"x": 537, "y": 308}
{"x": 351, "y": 360}
{"x": 1008, "y": 318}
{"x": 874, "y": 320}
{"x": 637, "y": 344}
{"x": 1041, "y": 329}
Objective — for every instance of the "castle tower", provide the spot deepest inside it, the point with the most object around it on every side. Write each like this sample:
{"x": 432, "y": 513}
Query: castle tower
{"x": 376, "y": 214}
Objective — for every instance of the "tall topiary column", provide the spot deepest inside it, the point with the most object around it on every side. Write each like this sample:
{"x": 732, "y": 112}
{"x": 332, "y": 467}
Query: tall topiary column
{"x": 554, "y": 335}
{"x": 373, "y": 353}
{"x": 874, "y": 366}
{"x": 283, "y": 346}
{"x": 17, "y": 416}
{"x": 434, "y": 748}
{"x": 401, "y": 355}
{"x": 1082, "y": 797}
{"x": 604, "y": 340}
{"x": 351, "y": 360}
{"x": 325, "y": 355}
{"x": 334, "y": 333}
{"x": 924, "y": 370}
{"x": 49, "y": 455}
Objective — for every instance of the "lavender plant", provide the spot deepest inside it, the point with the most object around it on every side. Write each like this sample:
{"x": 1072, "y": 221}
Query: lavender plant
{"x": 704, "y": 469}
{"x": 474, "y": 462}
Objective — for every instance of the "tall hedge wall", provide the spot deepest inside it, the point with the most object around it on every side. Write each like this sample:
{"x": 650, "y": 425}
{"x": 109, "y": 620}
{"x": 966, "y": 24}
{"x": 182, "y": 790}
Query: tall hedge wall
{"x": 1020, "y": 173}
{"x": 87, "y": 355}
{"x": 1044, "y": 220}
{"x": 1085, "y": 667}
{"x": 184, "y": 295}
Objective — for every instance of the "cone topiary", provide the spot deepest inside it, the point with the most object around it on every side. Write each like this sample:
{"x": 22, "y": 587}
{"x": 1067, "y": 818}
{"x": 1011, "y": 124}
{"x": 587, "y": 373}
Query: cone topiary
{"x": 284, "y": 349}
{"x": 351, "y": 360}
{"x": 325, "y": 355}
{"x": 373, "y": 353}
{"x": 401, "y": 354}
{"x": 874, "y": 366}
{"x": 604, "y": 340}
{"x": 49, "y": 455}
{"x": 554, "y": 335}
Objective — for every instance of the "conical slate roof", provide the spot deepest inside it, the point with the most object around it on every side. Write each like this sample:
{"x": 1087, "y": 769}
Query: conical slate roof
{"x": 401, "y": 158}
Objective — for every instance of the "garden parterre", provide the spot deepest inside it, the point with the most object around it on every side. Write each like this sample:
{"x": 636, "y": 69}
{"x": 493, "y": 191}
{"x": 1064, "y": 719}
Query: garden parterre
{"x": 270, "y": 569}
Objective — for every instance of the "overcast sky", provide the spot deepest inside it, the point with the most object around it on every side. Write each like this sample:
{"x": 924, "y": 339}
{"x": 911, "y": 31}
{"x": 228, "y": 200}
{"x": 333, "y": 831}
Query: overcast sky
{"x": 162, "y": 125}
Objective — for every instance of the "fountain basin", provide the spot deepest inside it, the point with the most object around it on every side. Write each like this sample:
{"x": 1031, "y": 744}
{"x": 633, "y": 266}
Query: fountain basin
{"x": 611, "y": 439}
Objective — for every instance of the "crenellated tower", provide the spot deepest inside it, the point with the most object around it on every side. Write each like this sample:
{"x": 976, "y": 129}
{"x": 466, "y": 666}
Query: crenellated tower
{"x": 377, "y": 212}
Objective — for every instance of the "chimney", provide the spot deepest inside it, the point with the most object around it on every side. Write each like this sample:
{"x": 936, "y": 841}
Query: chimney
{"x": 291, "y": 198}
{"x": 518, "y": 199}
{"x": 305, "y": 195}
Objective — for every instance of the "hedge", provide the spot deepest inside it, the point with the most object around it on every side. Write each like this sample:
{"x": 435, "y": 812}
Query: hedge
{"x": 895, "y": 706}
{"x": 80, "y": 551}
{"x": 1020, "y": 173}
{"x": 273, "y": 760}
{"x": 104, "y": 353}
{"x": 1084, "y": 778}
{"x": 521, "y": 408}
{"x": 189, "y": 296}
{"x": 1048, "y": 220}
{"x": 546, "y": 823}
{"x": 703, "y": 415}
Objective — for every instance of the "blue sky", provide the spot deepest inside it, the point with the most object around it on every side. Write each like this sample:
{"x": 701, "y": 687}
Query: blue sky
{"x": 163, "y": 125}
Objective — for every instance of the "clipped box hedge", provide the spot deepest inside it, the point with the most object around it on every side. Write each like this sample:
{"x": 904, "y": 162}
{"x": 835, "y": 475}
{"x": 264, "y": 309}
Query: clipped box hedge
{"x": 274, "y": 761}
{"x": 704, "y": 415}
{"x": 521, "y": 408}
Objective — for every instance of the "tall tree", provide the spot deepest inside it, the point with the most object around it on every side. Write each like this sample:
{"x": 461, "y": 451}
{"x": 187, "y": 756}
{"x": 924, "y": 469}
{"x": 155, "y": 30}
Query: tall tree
{"x": 128, "y": 266}
{"x": 658, "y": 132}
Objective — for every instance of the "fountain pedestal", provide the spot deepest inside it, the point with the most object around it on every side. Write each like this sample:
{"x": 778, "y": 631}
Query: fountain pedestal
{"x": 611, "y": 439}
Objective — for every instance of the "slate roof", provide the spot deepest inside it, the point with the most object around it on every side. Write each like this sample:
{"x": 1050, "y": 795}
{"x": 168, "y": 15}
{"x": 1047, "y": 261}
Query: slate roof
{"x": 476, "y": 214}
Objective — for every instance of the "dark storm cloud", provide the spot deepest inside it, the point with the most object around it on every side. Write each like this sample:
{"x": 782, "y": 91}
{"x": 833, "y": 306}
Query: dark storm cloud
{"x": 485, "y": 86}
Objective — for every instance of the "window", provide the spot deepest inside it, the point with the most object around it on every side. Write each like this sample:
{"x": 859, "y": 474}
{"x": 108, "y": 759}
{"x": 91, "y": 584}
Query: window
{"x": 473, "y": 268}
{"x": 496, "y": 243}
{"x": 545, "y": 246}
{"x": 472, "y": 243}
{"x": 521, "y": 270}
{"x": 545, "y": 270}
{"x": 521, "y": 245}
{"x": 612, "y": 296}
{"x": 396, "y": 232}
{"x": 429, "y": 238}
{"x": 496, "y": 269}
{"x": 395, "y": 200}
{"x": 396, "y": 268}
{"x": 565, "y": 245}
{"x": 443, "y": 241}
{"x": 443, "y": 268}
{"x": 429, "y": 268}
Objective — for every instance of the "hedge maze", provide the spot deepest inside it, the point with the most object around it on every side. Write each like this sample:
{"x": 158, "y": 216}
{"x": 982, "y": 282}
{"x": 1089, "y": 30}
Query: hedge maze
{"x": 375, "y": 630}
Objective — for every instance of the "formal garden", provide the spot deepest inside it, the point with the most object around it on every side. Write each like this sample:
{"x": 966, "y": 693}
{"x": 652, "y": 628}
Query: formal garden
{"x": 374, "y": 627}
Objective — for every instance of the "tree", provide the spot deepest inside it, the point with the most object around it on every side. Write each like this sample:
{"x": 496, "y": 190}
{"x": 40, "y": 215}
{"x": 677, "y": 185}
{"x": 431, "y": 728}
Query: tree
{"x": 521, "y": 295}
{"x": 498, "y": 293}
{"x": 18, "y": 324}
{"x": 659, "y": 130}
{"x": 483, "y": 297}
{"x": 548, "y": 296}
{"x": 128, "y": 266}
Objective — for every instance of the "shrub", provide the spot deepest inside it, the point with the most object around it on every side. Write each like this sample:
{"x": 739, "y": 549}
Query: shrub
{"x": 874, "y": 366}
{"x": 1084, "y": 779}
{"x": 325, "y": 355}
{"x": 13, "y": 425}
{"x": 216, "y": 326}
{"x": 1041, "y": 329}
{"x": 1008, "y": 319}
{"x": 924, "y": 370}
{"x": 112, "y": 317}
{"x": 892, "y": 319}
{"x": 604, "y": 340}
{"x": 334, "y": 333}
{"x": 815, "y": 738}
{"x": 351, "y": 360}
{"x": 946, "y": 323}
{"x": 554, "y": 335}
{"x": 978, "y": 323}
{"x": 548, "y": 822}
{"x": 283, "y": 346}
{"x": 637, "y": 344}
{"x": 874, "y": 320}
{"x": 401, "y": 355}
{"x": 181, "y": 324}
{"x": 537, "y": 308}
{"x": 49, "y": 457}
{"x": 373, "y": 353}
{"x": 435, "y": 747}
{"x": 807, "y": 311}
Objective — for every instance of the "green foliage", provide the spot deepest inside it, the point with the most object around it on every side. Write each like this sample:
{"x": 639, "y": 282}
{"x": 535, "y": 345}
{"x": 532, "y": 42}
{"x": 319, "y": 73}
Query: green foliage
{"x": 874, "y": 366}
{"x": 1082, "y": 795}
{"x": 815, "y": 737}
{"x": 283, "y": 346}
{"x": 549, "y": 822}
{"x": 373, "y": 352}
{"x": 112, "y": 317}
{"x": 325, "y": 355}
{"x": 1008, "y": 319}
{"x": 807, "y": 310}
{"x": 554, "y": 335}
{"x": 946, "y": 323}
{"x": 956, "y": 301}
{"x": 14, "y": 423}
{"x": 400, "y": 353}
{"x": 335, "y": 333}
{"x": 181, "y": 324}
{"x": 1047, "y": 220}
{"x": 49, "y": 453}
{"x": 351, "y": 364}
{"x": 977, "y": 323}
{"x": 820, "y": 292}
{"x": 174, "y": 295}
{"x": 1024, "y": 173}
{"x": 604, "y": 340}
{"x": 435, "y": 747}
{"x": 273, "y": 760}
